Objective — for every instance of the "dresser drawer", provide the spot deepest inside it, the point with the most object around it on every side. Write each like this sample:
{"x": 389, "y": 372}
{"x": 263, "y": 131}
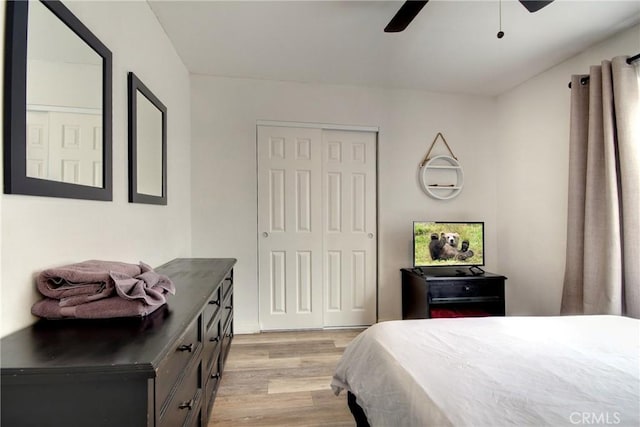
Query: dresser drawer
{"x": 227, "y": 285}
{"x": 459, "y": 291}
{"x": 227, "y": 311}
{"x": 183, "y": 352}
{"x": 227, "y": 336}
{"x": 212, "y": 343}
{"x": 196, "y": 419}
{"x": 213, "y": 307}
{"x": 212, "y": 379}
{"x": 186, "y": 400}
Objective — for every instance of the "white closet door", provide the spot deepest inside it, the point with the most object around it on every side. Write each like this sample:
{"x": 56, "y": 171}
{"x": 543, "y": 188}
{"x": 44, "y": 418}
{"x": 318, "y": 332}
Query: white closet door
{"x": 290, "y": 227}
{"x": 349, "y": 203}
{"x": 316, "y": 227}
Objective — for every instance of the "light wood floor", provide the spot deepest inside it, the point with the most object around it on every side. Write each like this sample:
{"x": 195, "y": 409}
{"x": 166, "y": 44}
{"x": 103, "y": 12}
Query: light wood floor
{"x": 282, "y": 379}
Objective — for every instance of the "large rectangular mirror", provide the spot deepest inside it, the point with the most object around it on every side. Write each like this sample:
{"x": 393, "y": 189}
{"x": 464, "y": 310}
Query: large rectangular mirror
{"x": 147, "y": 145}
{"x": 57, "y": 139}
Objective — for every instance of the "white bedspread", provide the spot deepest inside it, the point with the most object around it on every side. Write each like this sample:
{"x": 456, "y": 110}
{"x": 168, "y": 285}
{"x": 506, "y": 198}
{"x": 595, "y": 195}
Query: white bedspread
{"x": 519, "y": 371}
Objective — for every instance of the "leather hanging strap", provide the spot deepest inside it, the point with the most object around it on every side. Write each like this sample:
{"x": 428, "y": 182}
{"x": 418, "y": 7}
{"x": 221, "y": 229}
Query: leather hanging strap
{"x": 427, "y": 158}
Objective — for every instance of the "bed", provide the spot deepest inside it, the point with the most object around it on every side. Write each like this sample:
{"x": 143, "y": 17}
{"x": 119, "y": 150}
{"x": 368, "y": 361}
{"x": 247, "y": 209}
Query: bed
{"x": 520, "y": 371}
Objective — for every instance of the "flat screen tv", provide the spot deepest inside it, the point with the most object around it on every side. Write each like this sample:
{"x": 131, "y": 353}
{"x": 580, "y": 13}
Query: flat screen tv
{"x": 448, "y": 244}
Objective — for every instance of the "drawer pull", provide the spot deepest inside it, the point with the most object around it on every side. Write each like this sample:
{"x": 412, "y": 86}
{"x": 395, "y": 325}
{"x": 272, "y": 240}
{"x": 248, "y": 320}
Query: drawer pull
{"x": 186, "y": 347}
{"x": 216, "y": 302}
{"x": 186, "y": 405}
{"x": 215, "y": 376}
{"x": 214, "y": 339}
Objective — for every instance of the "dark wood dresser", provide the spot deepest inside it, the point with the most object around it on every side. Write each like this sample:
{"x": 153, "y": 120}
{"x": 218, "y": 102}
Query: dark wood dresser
{"x": 427, "y": 294}
{"x": 162, "y": 370}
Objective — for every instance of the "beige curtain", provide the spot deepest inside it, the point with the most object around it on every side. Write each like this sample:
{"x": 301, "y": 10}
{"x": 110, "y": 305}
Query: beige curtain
{"x": 602, "y": 272}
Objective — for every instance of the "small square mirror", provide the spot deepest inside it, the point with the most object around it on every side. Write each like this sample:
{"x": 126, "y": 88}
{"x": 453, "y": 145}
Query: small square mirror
{"x": 147, "y": 145}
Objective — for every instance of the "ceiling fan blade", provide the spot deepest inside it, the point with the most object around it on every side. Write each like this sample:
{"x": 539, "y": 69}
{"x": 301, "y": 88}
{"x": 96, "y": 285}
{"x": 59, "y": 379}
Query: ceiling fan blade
{"x": 535, "y": 5}
{"x": 404, "y": 16}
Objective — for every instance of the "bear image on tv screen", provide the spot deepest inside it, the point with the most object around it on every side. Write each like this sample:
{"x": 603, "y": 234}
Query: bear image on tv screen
{"x": 445, "y": 247}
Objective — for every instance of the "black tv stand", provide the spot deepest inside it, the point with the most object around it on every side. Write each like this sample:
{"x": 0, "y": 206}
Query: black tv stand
{"x": 428, "y": 293}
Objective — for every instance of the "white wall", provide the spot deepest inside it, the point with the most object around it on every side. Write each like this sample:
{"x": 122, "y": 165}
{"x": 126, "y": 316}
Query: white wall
{"x": 77, "y": 85}
{"x": 532, "y": 183}
{"x": 40, "y": 232}
{"x": 224, "y": 211}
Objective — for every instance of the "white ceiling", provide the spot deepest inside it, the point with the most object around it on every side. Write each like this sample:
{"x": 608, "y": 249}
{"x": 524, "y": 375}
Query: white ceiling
{"x": 451, "y": 46}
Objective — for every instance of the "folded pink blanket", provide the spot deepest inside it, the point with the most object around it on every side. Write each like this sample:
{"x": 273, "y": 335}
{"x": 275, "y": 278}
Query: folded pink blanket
{"x": 105, "y": 308}
{"x": 93, "y": 280}
{"x": 82, "y": 282}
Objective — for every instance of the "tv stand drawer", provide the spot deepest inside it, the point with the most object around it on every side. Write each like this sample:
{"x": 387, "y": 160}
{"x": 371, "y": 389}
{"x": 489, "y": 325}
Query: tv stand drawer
{"x": 465, "y": 289}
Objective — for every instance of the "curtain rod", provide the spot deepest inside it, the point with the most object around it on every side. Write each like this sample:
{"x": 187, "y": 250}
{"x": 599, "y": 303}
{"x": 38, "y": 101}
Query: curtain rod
{"x": 630, "y": 59}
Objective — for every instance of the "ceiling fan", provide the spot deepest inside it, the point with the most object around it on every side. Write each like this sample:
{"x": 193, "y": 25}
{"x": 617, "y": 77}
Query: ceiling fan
{"x": 411, "y": 8}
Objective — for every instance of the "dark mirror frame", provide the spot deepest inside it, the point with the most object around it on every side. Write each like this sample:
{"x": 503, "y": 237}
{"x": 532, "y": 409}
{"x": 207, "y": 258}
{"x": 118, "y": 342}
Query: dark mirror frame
{"x": 16, "y": 180}
{"x": 135, "y": 86}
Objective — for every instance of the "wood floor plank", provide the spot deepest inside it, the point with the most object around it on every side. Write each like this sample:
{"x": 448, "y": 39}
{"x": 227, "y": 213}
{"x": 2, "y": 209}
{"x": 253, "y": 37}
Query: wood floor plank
{"x": 283, "y": 379}
{"x": 243, "y": 382}
{"x": 306, "y": 362}
{"x": 302, "y": 348}
{"x": 256, "y": 405}
{"x": 285, "y": 385}
{"x": 262, "y": 363}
